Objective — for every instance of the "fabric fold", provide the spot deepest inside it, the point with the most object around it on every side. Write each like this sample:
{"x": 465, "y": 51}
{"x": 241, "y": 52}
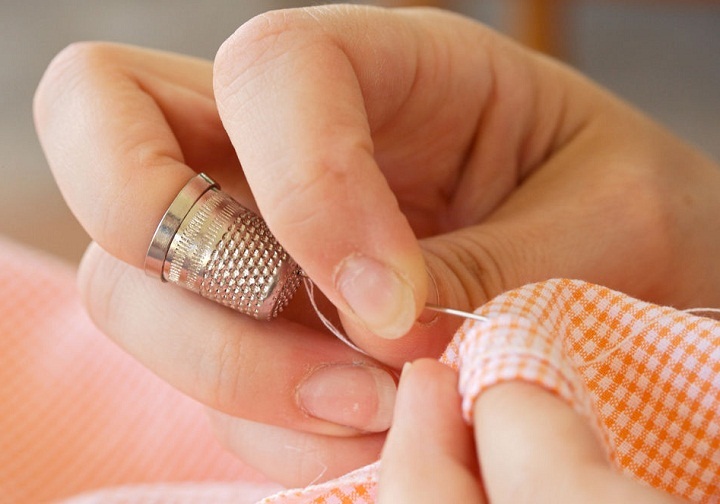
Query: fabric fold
{"x": 77, "y": 415}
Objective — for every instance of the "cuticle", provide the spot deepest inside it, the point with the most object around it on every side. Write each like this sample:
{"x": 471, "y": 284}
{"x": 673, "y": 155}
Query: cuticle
{"x": 353, "y": 364}
{"x": 435, "y": 316}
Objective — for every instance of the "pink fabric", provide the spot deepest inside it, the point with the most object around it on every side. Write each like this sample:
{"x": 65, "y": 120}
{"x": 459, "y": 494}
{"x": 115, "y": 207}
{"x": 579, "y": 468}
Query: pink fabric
{"x": 646, "y": 377}
{"x": 77, "y": 415}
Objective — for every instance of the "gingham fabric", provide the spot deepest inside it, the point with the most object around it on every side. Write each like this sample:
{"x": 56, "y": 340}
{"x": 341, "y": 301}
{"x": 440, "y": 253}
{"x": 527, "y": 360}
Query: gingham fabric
{"x": 77, "y": 415}
{"x": 647, "y": 377}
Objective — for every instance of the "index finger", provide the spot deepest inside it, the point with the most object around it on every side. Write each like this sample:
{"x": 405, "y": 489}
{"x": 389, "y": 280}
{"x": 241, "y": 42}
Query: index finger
{"x": 296, "y": 106}
{"x": 121, "y": 128}
{"x": 429, "y": 454}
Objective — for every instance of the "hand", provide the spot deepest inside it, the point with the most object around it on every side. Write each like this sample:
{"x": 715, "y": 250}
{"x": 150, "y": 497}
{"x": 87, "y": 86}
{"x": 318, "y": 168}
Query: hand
{"x": 431, "y": 455}
{"x": 360, "y": 130}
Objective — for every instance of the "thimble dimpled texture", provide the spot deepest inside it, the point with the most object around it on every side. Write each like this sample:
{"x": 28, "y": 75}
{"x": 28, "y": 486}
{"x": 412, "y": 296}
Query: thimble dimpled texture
{"x": 226, "y": 253}
{"x": 249, "y": 271}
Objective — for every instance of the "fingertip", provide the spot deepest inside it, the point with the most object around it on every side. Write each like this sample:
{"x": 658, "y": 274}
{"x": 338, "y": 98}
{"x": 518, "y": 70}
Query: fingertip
{"x": 320, "y": 190}
{"x": 429, "y": 454}
{"x": 422, "y": 372}
{"x": 429, "y": 387}
{"x": 405, "y": 371}
{"x": 378, "y": 296}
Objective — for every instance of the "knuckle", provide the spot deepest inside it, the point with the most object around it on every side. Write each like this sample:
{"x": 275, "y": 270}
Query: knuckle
{"x": 66, "y": 71}
{"x": 642, "y": 202}
{"x": 476, "y": 275}
{"x": 250, "y": 45}
{"x": 300, "y": 203}
{"x": 262, "y": 40}
{"x": 290, "y": 206}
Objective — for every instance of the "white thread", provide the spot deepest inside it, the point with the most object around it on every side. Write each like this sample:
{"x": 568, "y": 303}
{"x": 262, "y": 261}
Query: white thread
{"x": 310, "y": 288}
{"x": 700, "y": 311}
{"x": 315, "y": 458}
{"x": 621, "y": 343}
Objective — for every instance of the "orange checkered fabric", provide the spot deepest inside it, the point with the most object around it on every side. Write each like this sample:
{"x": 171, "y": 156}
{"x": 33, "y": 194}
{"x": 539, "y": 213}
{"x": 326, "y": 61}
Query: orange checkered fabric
{"x": 78, "y": 417}
{"x": 647, "y": 377}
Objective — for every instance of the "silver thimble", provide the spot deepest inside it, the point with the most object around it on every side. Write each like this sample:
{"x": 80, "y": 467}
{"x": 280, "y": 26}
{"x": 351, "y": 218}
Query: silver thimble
{"x": 210, "y": 244}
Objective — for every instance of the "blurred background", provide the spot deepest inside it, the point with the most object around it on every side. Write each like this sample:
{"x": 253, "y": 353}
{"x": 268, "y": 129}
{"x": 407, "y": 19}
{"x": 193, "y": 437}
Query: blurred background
{"x": 663, "y": 56}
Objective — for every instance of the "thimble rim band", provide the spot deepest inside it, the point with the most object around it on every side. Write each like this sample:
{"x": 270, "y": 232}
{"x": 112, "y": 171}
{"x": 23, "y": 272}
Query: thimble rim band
{"x": 171, "y": 221}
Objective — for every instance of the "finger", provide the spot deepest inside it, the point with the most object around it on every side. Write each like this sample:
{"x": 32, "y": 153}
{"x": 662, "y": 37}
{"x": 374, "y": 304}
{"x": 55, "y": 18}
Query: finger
{"x": 334, "y": 122}
{"x": 597, "y": 211}
{"x": 519, "y": 427}
{"x": 293, "y": 458}
{"x": 308, "y": 155}
{"x": 282, "y": 373}
{"x": 121, "y": 128}
{"x": 429, "y": 455}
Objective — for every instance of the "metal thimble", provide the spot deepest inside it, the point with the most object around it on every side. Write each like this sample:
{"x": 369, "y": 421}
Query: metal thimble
{"x": 210, "y": 244}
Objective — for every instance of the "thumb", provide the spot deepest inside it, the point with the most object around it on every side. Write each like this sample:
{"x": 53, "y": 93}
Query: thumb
{"x": 520, "y": 426}
{"x": 581, "y": 216}
{"x": 320, "y": 191}
{"x": 429, "y": 453}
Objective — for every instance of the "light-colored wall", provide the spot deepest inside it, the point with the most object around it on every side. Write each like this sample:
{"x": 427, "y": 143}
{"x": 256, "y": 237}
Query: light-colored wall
{"x": 663, "y": 56}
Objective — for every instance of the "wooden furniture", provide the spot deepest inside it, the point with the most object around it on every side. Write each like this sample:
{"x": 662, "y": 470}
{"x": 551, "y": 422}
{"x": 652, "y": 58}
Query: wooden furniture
{"x": 539, "y": 24}
{"x": 536, "y": 23}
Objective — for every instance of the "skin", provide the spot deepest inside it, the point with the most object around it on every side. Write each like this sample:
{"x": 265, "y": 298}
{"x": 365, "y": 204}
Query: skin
{"x": 517, "y": 428}
{"x": 418, "y": 141}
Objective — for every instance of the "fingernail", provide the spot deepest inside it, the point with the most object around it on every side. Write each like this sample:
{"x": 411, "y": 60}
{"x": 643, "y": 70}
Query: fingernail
{"x": 361, "y": 397}
{"x": 377, "y": 295}
{"x": 405, "y": 369}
